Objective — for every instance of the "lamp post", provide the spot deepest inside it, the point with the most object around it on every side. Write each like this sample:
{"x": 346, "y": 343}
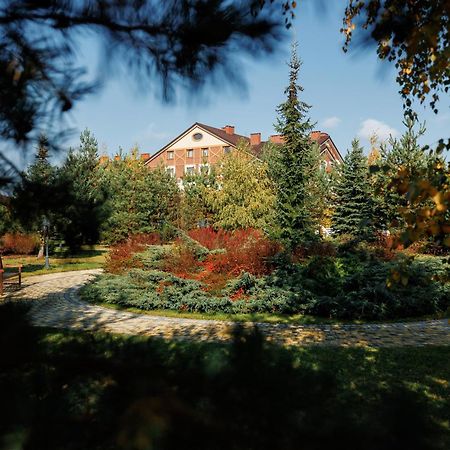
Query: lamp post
{"x": 46, "y": 232}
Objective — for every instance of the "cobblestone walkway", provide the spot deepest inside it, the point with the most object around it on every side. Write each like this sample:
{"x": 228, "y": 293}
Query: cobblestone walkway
{"x": 55, "y": 303}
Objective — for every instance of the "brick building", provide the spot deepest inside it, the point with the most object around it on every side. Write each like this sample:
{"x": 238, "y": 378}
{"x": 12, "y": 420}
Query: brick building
{"x": 201, "y": 146}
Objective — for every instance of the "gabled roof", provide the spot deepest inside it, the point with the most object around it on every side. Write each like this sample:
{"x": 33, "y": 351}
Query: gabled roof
{"x": 221, "y": 134}
{"x": 233, "y": 139}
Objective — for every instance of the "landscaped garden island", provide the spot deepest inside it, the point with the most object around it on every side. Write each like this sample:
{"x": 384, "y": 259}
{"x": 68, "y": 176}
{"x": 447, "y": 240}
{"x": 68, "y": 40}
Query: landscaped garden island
{"x": 243, "y": 272}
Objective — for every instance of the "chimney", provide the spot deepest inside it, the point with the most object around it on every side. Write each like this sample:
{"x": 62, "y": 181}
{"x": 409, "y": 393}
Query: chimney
{"x": 103, "y": 159}
{"x": 229, "y": 129}
{"x": 145, "y": 156}
{"x": 315, "y": 135}
{"x": 255, "y": 139}
{"x": 276, "y": 139}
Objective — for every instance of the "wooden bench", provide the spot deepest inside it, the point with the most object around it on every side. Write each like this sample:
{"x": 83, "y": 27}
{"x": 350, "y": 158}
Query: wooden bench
{"x": 13, "y": 272}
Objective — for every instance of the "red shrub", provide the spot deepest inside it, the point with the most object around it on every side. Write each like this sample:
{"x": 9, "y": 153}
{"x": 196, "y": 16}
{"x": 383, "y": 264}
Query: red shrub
{"x": 182, "y": 261}
{"x": 210, "y": 238}
{"x": 246, "y": 250}
{"x": 120, "y": 257}
{"x": 20, "y": 244}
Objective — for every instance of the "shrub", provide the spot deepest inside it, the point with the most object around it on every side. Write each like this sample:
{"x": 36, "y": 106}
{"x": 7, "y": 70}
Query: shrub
{"x": 246, "y": 251}
{"x": 19, "y": 243}
{"x": 182, "y": 260}
{"x": 121, "y": 256}
{"x": 150, "y": 290}
{"x": 210, "y": 238}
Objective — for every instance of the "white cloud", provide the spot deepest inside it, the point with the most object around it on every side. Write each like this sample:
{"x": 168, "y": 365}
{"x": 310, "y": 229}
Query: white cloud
{"x": 151, "y": 132}
{"x": 331, "y": 122}
{"x": 372, "y": 126}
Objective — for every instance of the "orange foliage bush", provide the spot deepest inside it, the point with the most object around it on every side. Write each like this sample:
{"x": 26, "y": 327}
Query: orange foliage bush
{"x": 245, "y": 250}
{"x": 210, "y": 238}
{"x": 120, "y": 257}
{"x": 182, "y": 261}
{"x": 19, "y": 243}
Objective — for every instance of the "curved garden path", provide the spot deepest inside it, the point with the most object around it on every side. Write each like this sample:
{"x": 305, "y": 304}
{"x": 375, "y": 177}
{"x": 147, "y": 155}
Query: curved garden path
{"x": 55, "y": 303}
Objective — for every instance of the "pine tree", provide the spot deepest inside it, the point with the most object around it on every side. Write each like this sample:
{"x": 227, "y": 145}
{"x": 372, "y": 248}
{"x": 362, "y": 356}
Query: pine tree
{"x": 354, "y": 210}
{"x": 403, "y": 156}
{"x": 85, "y": 210}
{"x": 292, "y": 166}
{"x": 139, "y": 200}
{"x": 37, "y": 195}
{"x": 246, "y": 197}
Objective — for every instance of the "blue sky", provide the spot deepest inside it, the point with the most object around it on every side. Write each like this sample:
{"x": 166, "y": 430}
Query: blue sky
{"x": 351, "y": 95}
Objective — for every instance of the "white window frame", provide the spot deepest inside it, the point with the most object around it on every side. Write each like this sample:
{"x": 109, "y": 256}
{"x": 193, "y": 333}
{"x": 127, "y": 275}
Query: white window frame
{"x": 189, "y": 150}
{"x": 171, "y": 170}
{"x": 205, "y": 149}
{"x": 171, "y": 153}
{"x": 189, "y": 166}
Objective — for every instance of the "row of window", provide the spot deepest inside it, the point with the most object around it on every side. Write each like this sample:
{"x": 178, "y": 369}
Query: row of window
{"x": 189, "y": 169}
{"x": 190, "y": 152}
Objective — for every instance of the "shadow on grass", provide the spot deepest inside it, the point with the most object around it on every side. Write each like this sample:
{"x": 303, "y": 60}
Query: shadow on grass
{"x": 98, "y": 391}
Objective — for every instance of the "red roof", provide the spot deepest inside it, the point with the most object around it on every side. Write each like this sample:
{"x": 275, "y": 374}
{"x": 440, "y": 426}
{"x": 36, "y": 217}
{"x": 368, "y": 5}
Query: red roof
{"x": 319, "y": 136}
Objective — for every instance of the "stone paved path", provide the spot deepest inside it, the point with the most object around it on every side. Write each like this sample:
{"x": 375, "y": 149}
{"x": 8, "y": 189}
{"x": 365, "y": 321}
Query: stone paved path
{"x": 55, "y": 303}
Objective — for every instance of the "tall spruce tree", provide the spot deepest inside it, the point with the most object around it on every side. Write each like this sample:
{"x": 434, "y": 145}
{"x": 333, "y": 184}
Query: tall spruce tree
{"x": 85, "y": 211}
{"x": 293, "y": 165}
{"x": 37, "y": 195}
{"x": 353, "y": 213}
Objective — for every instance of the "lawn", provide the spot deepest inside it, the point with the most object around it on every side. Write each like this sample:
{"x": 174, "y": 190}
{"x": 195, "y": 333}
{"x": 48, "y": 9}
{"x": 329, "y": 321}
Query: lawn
{"x": 88, "y": 258}
{"x": 73, "y": 390}
{"x": 288, "y": 319}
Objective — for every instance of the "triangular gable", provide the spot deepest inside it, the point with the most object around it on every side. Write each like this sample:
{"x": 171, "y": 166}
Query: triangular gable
{"x": 186, "y": 140}
{"x": 329, "y": 147}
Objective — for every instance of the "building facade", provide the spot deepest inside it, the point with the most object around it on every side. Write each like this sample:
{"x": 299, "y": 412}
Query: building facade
{"x": 202, "y": 146}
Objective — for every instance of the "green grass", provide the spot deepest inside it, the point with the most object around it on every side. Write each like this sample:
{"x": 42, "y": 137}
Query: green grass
{"x": 96, "y": 390}
{"x": 295, "y": 319}
{"x": 88, "y": 258}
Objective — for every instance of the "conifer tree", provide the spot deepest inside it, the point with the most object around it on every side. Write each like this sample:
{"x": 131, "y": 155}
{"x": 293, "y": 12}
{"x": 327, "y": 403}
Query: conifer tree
{"x": 85, "y": 210}
{"x": 245, "y": 198}
{"x": 38, "y": 193}
{"x": 292, "y": 165}
{"x": 354, "y": 210}
{"x": 402, "y": 155}
{"x": 140, "y": 200}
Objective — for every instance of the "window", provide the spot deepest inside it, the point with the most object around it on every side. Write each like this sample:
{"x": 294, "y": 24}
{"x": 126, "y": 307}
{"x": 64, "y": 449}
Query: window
{"x": 189, "y": 170}
{"x": 171, "y": 170}
{"x": 205, "y": 152}
{"x": 189, "y": 153}
{"x": 227, "y": 149}
{"x": 197, "y": 136}
{"x": 170, "y": 154}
